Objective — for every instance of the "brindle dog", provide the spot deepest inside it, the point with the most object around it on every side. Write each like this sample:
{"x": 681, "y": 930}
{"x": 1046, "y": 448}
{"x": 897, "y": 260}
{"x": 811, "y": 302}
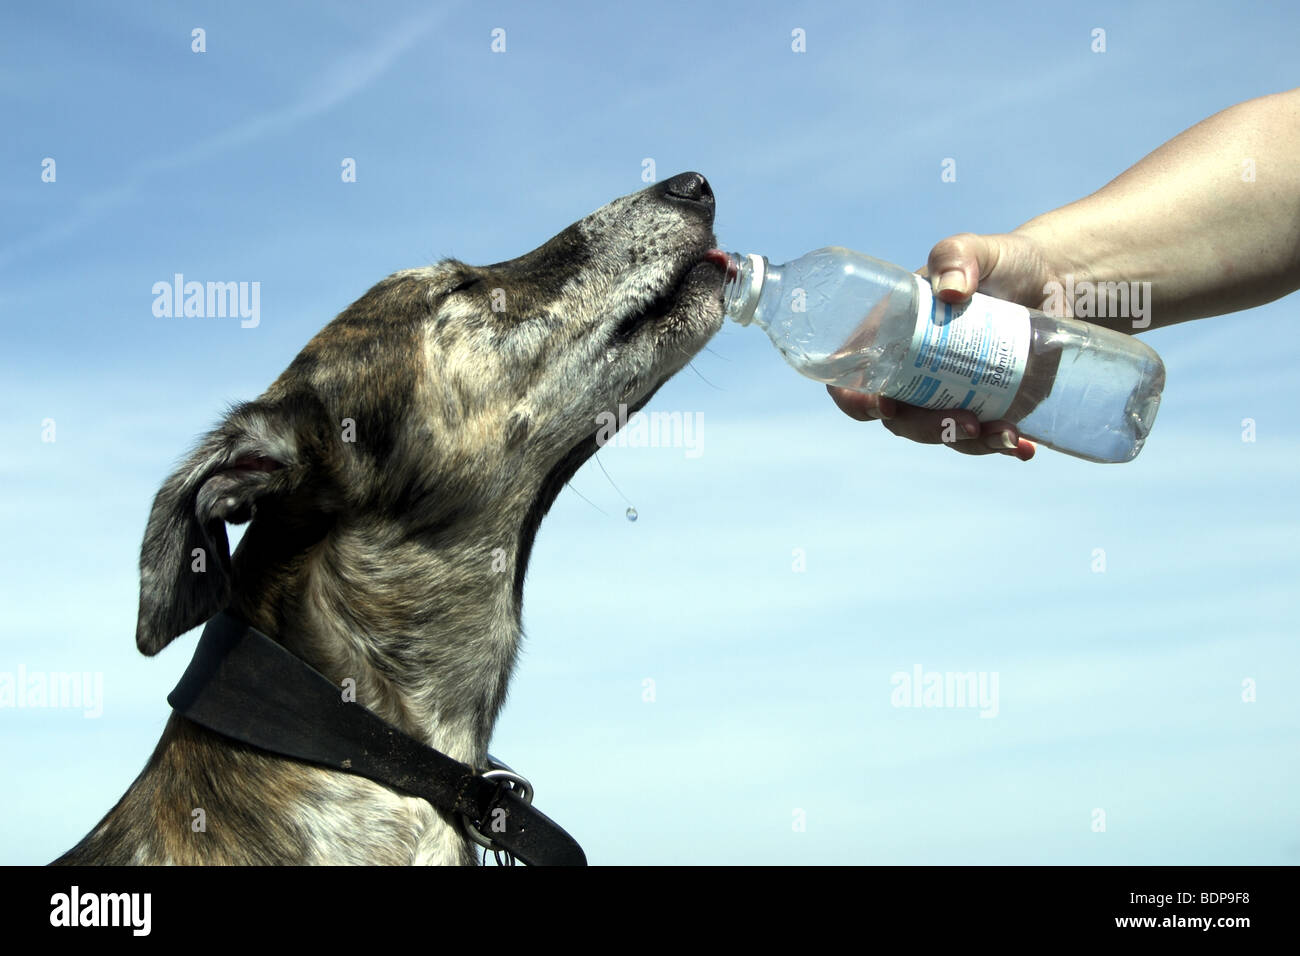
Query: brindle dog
{"x": 406, "y": 455}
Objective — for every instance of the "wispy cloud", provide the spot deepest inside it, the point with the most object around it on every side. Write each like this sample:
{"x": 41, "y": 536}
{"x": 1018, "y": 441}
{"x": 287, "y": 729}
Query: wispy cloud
{"x": 344, "y": 80}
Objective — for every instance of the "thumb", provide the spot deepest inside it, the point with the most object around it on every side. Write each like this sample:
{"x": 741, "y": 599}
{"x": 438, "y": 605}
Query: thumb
{"x": 957, "y": 263}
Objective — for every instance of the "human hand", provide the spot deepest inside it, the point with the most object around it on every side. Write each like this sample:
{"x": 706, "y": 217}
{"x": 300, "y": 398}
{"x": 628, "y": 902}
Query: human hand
{"x": 1012, "y": 266}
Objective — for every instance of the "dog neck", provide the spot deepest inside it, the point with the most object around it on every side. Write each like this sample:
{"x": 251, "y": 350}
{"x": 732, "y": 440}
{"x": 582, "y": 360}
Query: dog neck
{"x": 426, "y": 625}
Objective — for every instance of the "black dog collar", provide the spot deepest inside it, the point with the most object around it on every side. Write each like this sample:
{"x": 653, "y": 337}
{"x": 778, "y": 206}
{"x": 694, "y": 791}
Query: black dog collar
{"x": 245, "y": 686}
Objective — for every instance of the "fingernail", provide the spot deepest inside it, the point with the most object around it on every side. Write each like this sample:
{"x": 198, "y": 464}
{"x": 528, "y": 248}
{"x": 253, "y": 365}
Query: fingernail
{"x": 1000, "y": 441}
{"x": 885, "y": 408}
{"x": 972, "y": 428}
{"x": 952, "y": 279}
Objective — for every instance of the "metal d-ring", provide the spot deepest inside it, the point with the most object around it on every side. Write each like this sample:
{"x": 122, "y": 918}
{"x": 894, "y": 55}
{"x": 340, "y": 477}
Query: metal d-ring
{"x": 519, "y": 785}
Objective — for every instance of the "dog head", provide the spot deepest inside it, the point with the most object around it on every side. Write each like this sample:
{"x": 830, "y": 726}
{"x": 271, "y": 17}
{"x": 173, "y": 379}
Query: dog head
{"x": 447, "y": 401}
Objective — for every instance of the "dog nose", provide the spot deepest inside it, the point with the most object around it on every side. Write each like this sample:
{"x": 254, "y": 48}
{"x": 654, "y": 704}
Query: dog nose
{"x": 691, "y": 187}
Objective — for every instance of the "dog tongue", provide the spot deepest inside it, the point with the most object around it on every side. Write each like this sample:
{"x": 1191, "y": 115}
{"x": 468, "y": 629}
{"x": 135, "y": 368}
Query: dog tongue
{"x": 721, "y": 260}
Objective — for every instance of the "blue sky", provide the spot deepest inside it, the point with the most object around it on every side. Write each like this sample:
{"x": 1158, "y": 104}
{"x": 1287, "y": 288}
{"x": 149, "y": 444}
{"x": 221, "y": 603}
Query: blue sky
{"x": 1118, "y": 691}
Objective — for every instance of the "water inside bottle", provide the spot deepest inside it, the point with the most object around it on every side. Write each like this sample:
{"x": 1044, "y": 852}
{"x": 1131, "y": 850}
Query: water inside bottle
{"x": 859, "y": 363}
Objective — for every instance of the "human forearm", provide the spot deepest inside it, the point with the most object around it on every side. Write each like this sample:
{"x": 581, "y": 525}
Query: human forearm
{"x": 1190, "y": 221}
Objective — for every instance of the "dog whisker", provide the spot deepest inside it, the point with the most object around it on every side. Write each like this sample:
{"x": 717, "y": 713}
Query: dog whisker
{"x": 611, "y": 481}
{"x": 569, "y": 485}
{"x": 692, "y": 367}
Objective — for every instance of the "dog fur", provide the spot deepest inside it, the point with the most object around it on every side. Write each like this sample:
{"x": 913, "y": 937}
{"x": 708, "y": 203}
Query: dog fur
{"x": 408, "y": 453}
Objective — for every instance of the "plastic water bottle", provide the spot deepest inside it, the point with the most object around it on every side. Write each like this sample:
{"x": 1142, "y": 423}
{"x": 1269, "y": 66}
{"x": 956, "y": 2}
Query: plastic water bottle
{"x": 847, "y": 319}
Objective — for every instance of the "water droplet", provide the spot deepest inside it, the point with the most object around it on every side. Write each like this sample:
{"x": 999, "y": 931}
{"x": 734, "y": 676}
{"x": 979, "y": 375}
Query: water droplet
{"x": 631, "y": 514}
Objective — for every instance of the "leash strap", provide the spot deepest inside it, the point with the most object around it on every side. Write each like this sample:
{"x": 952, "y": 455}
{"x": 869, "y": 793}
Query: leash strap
{"x": 245, "y": 686}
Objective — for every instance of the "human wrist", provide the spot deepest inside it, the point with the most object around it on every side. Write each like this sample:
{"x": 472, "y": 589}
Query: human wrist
{"x": 1062, "y": 255}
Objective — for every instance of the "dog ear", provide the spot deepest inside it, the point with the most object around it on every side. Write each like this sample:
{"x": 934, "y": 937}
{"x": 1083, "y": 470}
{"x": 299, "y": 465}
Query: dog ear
{"x": 185, "y": 559}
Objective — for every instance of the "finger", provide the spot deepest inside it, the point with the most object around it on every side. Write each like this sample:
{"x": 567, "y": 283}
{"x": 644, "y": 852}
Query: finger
{"x": 955, "y": 427}
{"x": 934, "y": 426}
{"x": 861, "y": 406}
{"x": 999, "y": 437}
{"x": 1023, "y": 451}
{"x": 961, "y": 431}
{"x": 957, "y": 263}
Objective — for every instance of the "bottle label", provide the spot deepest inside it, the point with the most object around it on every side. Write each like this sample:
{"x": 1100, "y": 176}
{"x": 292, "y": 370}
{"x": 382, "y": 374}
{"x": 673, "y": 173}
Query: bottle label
{"x": 964, "y": 356}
